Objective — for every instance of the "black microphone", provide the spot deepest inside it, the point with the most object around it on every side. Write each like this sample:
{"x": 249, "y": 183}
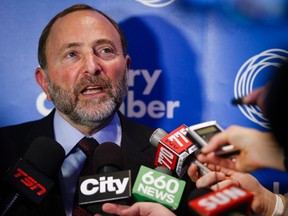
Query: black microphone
{"x": 30, "y": 177}
{"x": 110, "y": 184}
{"x": 229, "y": 201}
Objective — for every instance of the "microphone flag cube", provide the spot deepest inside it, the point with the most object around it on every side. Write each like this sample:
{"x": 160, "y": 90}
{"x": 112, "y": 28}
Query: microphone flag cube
{"x": 226, "y": 201}
{"x": 155, "y": 186}
{"x": 173, "y": 149}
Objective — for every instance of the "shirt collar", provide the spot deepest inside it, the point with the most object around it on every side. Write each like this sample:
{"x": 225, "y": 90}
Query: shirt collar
{"x": 68, "y": 136}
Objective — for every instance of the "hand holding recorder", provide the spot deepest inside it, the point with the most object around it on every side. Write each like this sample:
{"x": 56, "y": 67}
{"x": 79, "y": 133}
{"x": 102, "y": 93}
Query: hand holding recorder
{"x": 264, "y": 201}
{"x": 202, "y": 133}
{"x": 249, "y": 142}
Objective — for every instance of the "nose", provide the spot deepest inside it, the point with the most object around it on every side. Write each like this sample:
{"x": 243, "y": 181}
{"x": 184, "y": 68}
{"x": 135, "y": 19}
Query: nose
{"x": 91, "y": 64}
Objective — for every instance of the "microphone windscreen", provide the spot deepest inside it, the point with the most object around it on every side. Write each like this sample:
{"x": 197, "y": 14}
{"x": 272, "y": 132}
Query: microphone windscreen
{"x": 109, "y": 156}
{"x": 46, "y": 155}
{"x": 157, "y": 135}
{"x": 164, "y": 170}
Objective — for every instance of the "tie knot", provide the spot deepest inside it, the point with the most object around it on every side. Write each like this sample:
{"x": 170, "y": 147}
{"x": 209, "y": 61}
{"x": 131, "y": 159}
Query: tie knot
{"x": 88, "y": 145}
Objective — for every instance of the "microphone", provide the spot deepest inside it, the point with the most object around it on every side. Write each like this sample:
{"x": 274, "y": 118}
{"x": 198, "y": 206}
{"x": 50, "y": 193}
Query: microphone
{"x": 157, "y": 185}
{"x": 30, "y": 177}
{"x": 229, "y": 201}
{"x": 110, "y": 183}
{"x": 174, "y": 150}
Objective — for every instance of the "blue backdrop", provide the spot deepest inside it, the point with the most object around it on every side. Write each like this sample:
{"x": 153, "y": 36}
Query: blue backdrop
{"x": 189, "y": 58}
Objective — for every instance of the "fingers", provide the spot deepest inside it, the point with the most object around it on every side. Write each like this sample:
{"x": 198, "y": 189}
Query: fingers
{"x": 212, "y": 158}
{"x": 206, "y": 180}
{"x": 215, "y": 142}
{"x": 147, "y": 209}
{"x": 253, "y": 96}
{"x": 222, "y": 184}
{"x": 193, "y": 172}
{"x": 112, "y": 208}
{"x": 219, "y": 178}
{"x": 210, "y": 179}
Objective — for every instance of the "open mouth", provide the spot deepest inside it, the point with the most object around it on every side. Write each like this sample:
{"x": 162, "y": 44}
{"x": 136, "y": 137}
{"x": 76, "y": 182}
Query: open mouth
{"x": 92, "y": 90}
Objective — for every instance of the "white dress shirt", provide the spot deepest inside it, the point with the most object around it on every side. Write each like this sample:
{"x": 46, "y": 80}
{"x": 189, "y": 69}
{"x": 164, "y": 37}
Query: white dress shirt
{"x": 68, "y": 137}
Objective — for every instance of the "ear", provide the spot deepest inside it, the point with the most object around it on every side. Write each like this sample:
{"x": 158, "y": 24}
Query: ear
{"x": 41, "y": 79}
{"x": 128, "y": 62}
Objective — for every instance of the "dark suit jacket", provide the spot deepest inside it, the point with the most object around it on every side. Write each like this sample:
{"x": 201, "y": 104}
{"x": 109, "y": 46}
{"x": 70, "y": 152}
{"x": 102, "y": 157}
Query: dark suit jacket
{"x": 16, "y": 139}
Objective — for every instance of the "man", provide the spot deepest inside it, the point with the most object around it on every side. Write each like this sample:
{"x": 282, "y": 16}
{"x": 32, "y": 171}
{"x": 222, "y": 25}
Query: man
{"x": 83, "y": 70}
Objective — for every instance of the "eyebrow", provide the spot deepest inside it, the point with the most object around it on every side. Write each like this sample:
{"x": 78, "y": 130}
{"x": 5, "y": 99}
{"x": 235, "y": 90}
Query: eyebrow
{"x": 69, "y": 45}
{"x": 95, "y": 43}
{"x": 105, "y": 41}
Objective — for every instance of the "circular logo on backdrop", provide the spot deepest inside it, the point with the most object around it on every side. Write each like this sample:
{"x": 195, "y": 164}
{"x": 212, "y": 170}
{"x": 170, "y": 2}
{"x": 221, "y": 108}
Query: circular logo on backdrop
{"x": 156, "y": 3}
{"x": 246, "y": 79}
{"x": 43, "y": 106}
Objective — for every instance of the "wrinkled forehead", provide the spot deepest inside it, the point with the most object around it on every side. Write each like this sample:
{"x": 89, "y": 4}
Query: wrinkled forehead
{"x": 82, "y": 22}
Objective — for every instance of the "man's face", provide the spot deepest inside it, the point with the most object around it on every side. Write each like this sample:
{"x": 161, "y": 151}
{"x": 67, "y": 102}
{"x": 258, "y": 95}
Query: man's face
{"x": 86, "y": 67}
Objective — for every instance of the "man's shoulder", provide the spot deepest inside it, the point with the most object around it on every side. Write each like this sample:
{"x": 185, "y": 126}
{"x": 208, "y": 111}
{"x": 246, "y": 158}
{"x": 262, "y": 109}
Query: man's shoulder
{"x": 18, "y": 125}
{"x": 26, "y": 132}
{"x": 26, "y": 127}
{"x": 131, "y": 125}
{"x": 15, "y": 139}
